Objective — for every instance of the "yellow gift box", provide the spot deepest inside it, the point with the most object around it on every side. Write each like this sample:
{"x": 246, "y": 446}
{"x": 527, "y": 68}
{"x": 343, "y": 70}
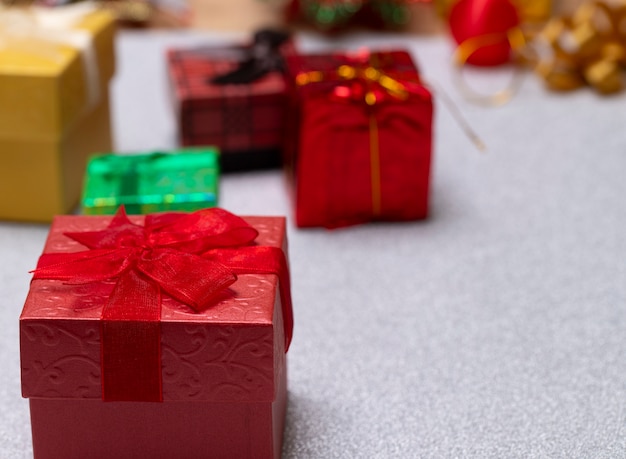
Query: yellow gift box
{"x": 55, "y": 67}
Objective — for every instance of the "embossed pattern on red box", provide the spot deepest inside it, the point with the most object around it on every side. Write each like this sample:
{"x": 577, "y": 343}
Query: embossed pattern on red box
{"x": 230, "y": 354}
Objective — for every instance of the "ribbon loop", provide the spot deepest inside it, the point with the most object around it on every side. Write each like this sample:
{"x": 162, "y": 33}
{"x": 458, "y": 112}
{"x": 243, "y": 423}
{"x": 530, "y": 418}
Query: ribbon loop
{"x": 84, "y": 267}
{"x": 186, "y": 277}
{"x": 199, "y": 231}
{"x": 514, "y": 38}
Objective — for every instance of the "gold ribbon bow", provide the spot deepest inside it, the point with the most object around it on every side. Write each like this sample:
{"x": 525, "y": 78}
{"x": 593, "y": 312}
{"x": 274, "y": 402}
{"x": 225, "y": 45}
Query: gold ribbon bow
{"x": 369, "y": 74}
{"x": 587, "y": 48}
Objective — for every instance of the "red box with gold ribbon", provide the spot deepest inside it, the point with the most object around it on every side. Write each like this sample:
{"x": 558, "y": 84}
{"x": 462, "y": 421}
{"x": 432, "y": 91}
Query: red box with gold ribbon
{"x": 234, "y": 98}
{"x": 160, "y": 336}
{"x": 360, "y": 138}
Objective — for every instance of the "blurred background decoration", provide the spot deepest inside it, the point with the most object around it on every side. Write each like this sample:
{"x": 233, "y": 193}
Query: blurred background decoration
{"x": 587, "y": 47}
{"x": 329, "y": 16}
{"x": 130, "y": 13}
{"x": 333, "y": 15}
{"x": 572, "y": 42}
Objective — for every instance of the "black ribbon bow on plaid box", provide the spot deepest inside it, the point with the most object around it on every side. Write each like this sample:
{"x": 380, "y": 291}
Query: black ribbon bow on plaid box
{"x": 262, "y": 57}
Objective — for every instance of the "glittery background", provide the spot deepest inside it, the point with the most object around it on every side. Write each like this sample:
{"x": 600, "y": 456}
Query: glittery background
{"x": 496, "y": 329}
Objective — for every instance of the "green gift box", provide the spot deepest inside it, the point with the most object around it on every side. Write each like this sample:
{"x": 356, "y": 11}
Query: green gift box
{"x": 184, "y": 180}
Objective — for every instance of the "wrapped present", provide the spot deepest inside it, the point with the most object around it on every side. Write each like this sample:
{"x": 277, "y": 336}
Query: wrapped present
{"x": 184, "y": 180}
{"x": 55, "y": 65}
{"x": 234, "y": 98}
{"x": 160, "y": 336}
{"x": 360, "y": 139}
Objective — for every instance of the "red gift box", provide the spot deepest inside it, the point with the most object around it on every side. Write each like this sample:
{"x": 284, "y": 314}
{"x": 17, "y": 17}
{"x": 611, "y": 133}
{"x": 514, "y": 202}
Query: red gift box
{"x": 218, "y": 385}
{"x": 244, "y": 120}
{"x": 361, "y": 138}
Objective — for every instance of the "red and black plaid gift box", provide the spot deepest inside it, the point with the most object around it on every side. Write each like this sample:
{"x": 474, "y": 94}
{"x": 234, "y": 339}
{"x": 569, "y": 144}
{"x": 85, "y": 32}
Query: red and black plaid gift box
{"x": 360, "y": 138}
{"x": 244, "y": 120}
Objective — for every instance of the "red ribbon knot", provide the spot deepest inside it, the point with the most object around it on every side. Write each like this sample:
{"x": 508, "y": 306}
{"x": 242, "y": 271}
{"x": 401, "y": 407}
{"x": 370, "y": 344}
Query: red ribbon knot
{"x": 190, "y": 257}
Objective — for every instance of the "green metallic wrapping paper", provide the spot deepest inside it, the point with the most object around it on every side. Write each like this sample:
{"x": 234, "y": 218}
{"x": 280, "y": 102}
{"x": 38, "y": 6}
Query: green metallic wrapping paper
{"x": 183, "y": 180}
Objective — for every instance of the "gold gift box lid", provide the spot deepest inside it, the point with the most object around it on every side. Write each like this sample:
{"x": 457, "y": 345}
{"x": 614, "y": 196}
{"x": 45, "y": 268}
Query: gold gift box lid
{"x": 45, "y": 86}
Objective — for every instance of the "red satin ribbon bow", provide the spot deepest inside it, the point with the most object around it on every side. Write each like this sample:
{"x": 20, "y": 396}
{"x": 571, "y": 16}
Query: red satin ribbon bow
{"x": 191, "y": 257}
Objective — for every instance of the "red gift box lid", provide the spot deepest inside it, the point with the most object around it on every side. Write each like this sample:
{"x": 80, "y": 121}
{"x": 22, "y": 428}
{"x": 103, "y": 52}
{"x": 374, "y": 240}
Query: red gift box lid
{"x": 234, "y": 350}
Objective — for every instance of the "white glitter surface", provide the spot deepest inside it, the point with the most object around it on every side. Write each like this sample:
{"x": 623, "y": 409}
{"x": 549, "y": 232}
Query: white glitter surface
{"x": 496, "y": 329}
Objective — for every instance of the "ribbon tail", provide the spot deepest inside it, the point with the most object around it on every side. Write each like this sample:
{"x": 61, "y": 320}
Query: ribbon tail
{"x": 131, "y": 341}
{"x": 263, "y": 260}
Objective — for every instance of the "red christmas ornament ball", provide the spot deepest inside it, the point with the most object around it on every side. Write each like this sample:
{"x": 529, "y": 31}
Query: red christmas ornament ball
{"x": 488, "y": 21}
